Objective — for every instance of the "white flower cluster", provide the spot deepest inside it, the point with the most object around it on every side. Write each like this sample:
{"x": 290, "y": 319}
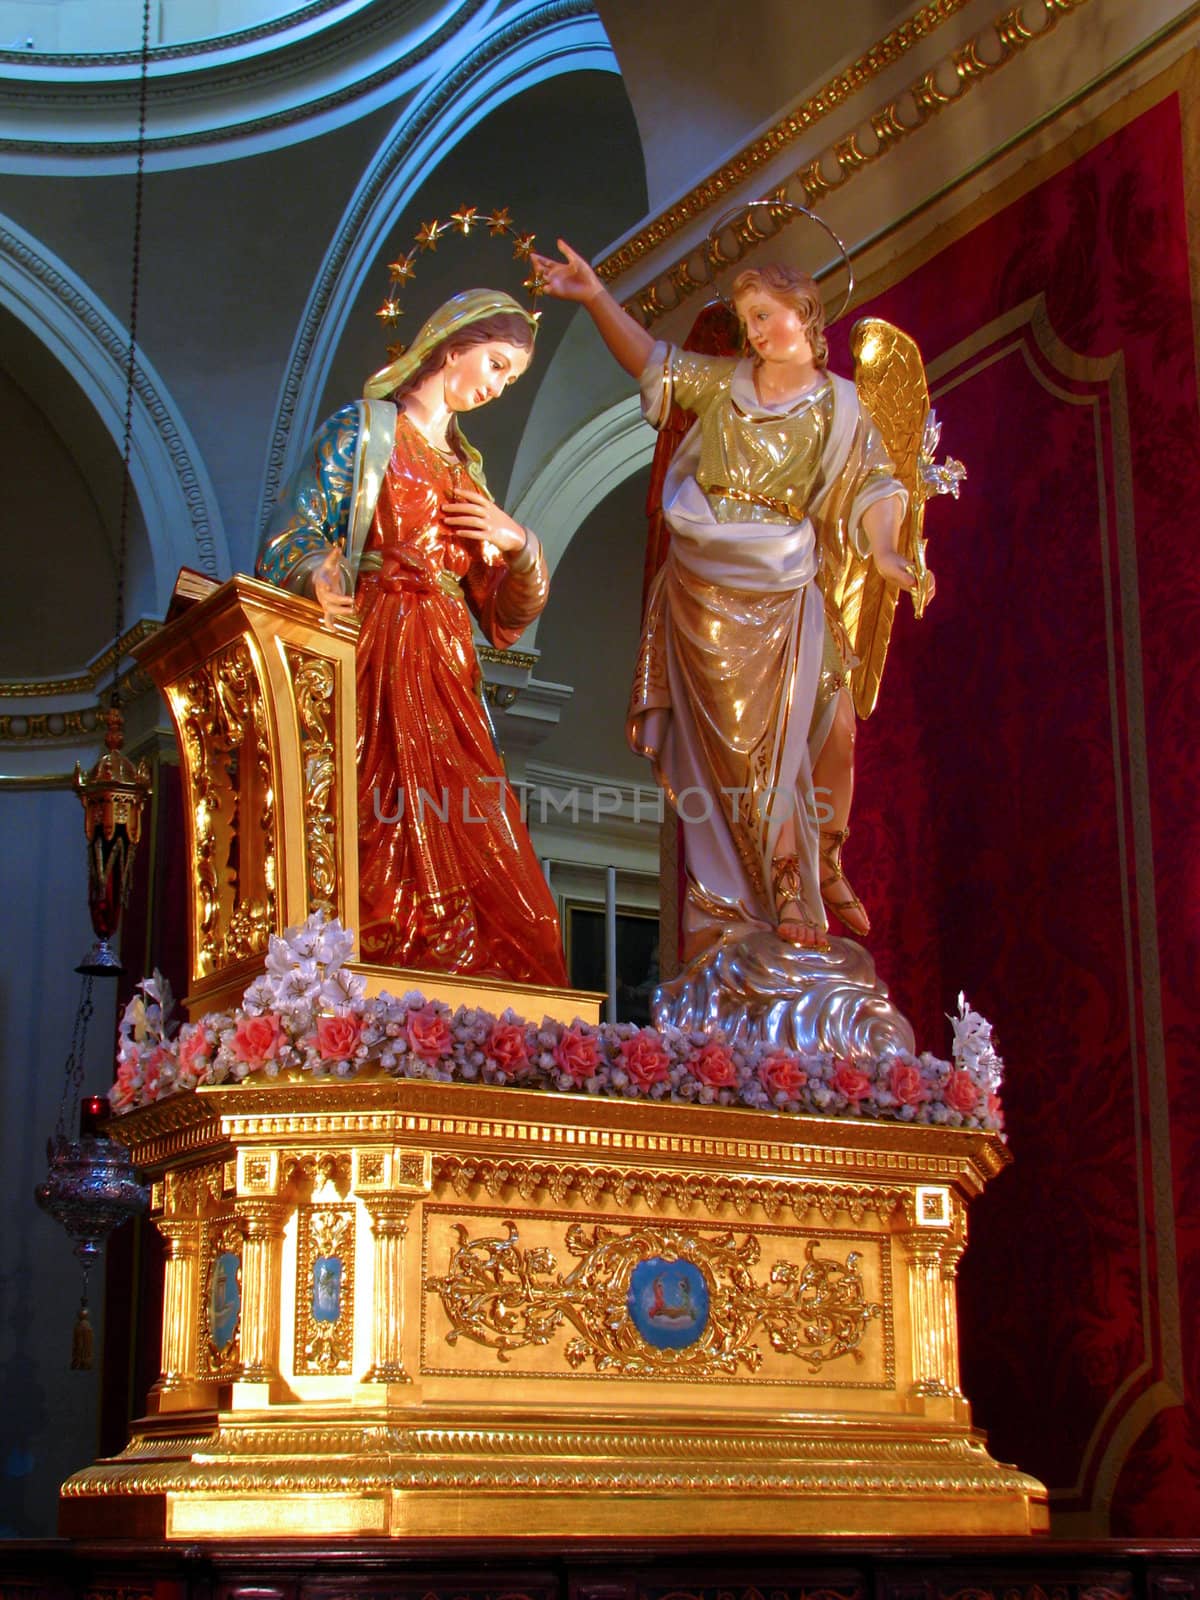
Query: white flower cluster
{"x": 306, "y": 973}
{"x": 973, "y": 1049}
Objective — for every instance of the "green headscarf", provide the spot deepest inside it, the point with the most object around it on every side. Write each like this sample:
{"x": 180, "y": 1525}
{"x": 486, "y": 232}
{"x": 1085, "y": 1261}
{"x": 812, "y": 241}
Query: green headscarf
{"x": 473, "y": 305}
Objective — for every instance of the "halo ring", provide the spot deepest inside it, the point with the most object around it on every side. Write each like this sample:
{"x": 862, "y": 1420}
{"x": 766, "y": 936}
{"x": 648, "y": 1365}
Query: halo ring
{"x": 775, "y": 207}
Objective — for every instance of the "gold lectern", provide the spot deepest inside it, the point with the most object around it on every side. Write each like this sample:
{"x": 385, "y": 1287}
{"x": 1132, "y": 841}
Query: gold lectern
{"x": 438, "y": 1309}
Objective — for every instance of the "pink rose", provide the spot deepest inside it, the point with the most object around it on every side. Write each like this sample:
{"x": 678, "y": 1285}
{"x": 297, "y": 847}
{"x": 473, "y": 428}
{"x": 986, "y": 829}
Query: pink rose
{"x": 644, "y": 1059}
{"x": 576, "y": 1055}
{"x": 257, "y": 1040}
{"x": 194, "y": 1055}
{"x": 337, "y": 1037}
{"x": 152, "y": 1071}
{"x": 429, "y": 1036}
{"x": 849, "y": 1081}
{"x": 782, "y": 1075}
{"x": 505, "y": 1048}
{"x": 962, "y": 1093}
{"x": 994, "y": 1108}
{"x": 194, "y": 1048}
{"x": 713, "y": 1066}
{"x": 906, "y": 1084}
{"x": 123, "y": 1092}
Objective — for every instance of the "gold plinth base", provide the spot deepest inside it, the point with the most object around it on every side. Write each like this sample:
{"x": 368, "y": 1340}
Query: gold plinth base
{"x": 435, "y": 1310}
{"x": 485, "y": 1476}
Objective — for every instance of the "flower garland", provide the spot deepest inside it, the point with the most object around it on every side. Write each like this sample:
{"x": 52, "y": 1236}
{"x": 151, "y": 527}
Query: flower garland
{"x": 308, "y": 1013}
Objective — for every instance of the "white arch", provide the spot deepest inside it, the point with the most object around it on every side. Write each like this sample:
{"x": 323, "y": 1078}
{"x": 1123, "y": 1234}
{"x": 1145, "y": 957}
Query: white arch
{"x": 529, "y": 44}
{"x": 168, "y": 475}
{"x": 217, "y": 99}
{"x": 583, "y": 469}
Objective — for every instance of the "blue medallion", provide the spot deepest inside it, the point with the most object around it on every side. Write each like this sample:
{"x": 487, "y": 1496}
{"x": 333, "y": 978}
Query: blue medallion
{"x": 326, "y": 1289}
{"x": 668, "y": 1302}
{"x": 224, "y": 1299}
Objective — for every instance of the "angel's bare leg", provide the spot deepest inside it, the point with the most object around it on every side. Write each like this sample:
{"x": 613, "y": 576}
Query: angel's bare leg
{"x": 833, "y": 779}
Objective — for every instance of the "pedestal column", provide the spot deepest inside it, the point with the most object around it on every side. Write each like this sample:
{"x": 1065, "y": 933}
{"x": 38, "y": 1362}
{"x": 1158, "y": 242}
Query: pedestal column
{"x": 181, "y": 1311}
{"x": 932, "y": 1249}
{"x": 262, "y": 1271}
{"x": 389, "y": 1227}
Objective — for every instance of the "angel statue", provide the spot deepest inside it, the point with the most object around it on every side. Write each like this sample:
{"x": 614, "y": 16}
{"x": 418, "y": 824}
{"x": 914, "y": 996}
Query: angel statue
{"x": 765, "y": 626}
{"x": 389, "y": 519}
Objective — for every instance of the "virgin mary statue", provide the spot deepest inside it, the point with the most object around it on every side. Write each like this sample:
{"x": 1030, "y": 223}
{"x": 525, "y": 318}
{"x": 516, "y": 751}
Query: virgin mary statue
{"x": 390, "y": 519}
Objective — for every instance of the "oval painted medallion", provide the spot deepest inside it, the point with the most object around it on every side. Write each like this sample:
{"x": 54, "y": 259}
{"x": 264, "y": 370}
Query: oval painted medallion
{"x": 668, "y": 1302}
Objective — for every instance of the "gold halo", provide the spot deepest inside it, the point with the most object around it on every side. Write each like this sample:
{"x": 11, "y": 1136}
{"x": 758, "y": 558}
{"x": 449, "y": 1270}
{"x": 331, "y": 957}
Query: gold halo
{"x": 777, "y": 211}
{"x": 498, "y": 223}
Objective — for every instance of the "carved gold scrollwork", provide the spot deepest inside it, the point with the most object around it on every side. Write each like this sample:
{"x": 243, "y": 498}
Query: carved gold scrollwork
{"x": 499, "y": 1294}
{"x": 314, "y": 681}
{"x": 312, "y": 1171}
{"x": 222, "y": 721}
{"x": 191, "y": 1192}
{"x": 193, "y": 709}
{"x": 325, "y": 1290}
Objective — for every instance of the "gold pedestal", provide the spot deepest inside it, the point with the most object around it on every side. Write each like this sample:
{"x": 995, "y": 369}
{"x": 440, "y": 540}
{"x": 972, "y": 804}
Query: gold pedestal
{"x": 429, "y": 1309}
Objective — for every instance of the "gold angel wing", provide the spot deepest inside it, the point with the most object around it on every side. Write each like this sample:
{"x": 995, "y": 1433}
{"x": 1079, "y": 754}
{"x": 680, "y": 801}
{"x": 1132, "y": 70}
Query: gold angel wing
{"x": 890, "y": 378}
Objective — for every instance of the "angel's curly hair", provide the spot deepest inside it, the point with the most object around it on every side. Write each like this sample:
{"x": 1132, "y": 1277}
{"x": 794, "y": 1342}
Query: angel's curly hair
{"x": 795, "y": 289}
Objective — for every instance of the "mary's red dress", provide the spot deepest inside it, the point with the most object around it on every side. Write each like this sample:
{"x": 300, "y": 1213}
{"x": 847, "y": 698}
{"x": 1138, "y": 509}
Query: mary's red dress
{"x": 448, "y": 876}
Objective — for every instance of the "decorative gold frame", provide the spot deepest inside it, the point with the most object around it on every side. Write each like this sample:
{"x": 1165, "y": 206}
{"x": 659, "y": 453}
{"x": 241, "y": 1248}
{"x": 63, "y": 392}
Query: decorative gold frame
{"x": 325, "y": 1347}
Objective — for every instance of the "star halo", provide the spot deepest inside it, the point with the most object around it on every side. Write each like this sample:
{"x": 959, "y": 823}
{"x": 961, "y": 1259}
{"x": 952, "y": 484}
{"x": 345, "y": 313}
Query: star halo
{"x": 467, "y": 219}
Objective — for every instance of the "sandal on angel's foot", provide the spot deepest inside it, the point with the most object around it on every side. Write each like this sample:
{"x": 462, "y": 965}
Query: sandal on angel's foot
{"x": 848, "y": 908}
{"x": 797, "y": 929}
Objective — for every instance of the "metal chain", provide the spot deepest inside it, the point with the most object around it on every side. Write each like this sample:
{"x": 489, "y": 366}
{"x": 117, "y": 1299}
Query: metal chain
{"x": 131, "y": 366}
{"x": 73, "y": 1067}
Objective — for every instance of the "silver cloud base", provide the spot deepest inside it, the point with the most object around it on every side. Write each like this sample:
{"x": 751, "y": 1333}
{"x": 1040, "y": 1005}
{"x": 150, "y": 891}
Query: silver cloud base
{"x": 753, "y": 987}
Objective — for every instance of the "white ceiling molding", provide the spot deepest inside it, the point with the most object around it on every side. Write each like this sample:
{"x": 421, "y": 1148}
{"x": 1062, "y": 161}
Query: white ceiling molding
{"x": 582, "y": 471}
{"x": 234, "y": 96}
{"x": 292, "y": 22}
{"x": 530, "y": 43}
{"x": 169, "y": 478}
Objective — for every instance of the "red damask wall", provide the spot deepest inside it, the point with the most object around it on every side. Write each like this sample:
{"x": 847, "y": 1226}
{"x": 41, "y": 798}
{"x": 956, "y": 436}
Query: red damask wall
{"x": 1027, "y": 828}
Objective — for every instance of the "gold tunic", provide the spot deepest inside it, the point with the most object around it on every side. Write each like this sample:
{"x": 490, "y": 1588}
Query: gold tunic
{"x": 772, "y": 460}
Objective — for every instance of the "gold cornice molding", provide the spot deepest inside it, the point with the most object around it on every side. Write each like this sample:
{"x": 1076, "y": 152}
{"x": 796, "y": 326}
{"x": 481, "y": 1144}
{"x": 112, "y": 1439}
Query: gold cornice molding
{"x": 883, "y": 54}
{"x": 14, "y": 783}
{"x": 42, "y": 727}
{"x": 943, "y": 84}
{"x": 66, "y": 726}
{"x": 84, "y": 682}
{"x": 1044, "y": 164}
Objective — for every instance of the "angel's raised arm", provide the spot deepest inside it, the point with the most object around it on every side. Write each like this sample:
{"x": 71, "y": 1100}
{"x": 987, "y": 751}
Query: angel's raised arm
{"x": 573, "y": 278}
